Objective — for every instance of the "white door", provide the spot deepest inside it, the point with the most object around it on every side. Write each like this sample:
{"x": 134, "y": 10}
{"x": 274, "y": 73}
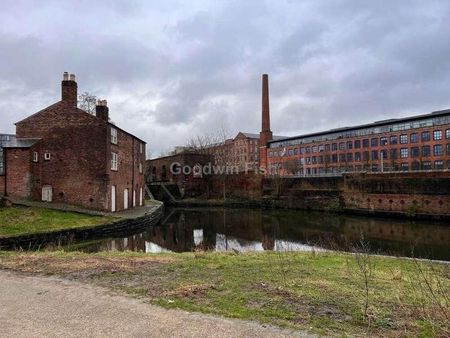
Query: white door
{"x": 47, "y": 193}
{"x": 140, "y": 196}
{"x": 125, "y": 199}
{"x": 134, "y": 198}
{"x": 113, "y": 198}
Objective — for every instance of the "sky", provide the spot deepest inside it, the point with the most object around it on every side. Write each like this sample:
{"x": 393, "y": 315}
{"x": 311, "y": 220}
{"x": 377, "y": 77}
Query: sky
{"x": 172, "y": 70}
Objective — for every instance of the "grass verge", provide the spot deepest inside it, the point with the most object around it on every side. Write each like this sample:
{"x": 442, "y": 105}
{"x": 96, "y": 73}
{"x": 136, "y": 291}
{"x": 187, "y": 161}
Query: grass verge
{"x": 18, "y": 220}
{"x": 323, "y": 293}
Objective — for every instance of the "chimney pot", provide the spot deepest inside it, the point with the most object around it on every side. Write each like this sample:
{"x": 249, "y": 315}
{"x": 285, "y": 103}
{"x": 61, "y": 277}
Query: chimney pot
{"x": 65, "y": 76}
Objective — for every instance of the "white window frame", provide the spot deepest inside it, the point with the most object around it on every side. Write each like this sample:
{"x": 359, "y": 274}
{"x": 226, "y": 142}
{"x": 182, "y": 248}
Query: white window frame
{"x": 114, "y": 161}
{"x": 35, "y": 156}
{"x": 113, "y": 135}
{"x": 47, "y": 156}
{"x": 140, "y": 168}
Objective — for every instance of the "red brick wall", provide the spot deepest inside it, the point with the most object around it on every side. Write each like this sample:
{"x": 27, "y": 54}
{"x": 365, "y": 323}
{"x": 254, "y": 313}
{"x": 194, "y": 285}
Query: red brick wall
{"x": 18, "y": 172}
{"x": 2, "y": 184}
{"x": 128, "y": 175}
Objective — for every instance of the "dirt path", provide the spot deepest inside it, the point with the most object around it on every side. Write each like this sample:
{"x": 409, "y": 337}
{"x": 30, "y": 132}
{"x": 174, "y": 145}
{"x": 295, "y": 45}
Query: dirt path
{"x": 32, "y": 306}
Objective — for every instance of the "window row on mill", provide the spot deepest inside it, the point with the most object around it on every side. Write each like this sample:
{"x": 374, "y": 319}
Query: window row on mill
{"x": 364, "y": 143}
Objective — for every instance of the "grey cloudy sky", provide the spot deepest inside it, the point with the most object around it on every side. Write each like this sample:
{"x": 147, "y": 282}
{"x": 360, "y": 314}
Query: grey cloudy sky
{"x": 173, "y": 69}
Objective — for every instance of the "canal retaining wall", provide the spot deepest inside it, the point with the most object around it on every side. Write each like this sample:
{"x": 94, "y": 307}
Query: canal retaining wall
{"x": 123, "y": 226}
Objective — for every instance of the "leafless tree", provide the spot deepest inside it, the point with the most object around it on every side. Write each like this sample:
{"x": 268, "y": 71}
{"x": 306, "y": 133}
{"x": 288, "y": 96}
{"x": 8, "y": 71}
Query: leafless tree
{"x": 86, "y": 101}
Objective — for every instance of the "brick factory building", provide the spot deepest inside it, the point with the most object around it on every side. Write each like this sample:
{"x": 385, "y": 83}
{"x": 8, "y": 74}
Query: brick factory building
{"x": 414, "y": 143}
{"x": 4, "y": 139}
{"x": 64, "y": 154}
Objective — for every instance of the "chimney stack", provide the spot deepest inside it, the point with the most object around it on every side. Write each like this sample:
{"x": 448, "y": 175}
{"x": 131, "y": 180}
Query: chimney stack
{"x": 266, "y": 134}
{"x": 102, "y": 110}
{"x": 69, "y": 89}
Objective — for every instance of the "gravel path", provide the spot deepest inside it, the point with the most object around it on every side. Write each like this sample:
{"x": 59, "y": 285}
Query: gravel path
{"x": 34, "y": 306}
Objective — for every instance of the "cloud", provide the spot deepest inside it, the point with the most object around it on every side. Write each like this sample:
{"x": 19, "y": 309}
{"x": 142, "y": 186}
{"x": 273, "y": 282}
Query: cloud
{"x": 172, "y": 69}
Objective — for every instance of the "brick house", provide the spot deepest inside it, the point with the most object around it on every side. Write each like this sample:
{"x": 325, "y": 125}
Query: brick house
{"x": 66, "y": 155}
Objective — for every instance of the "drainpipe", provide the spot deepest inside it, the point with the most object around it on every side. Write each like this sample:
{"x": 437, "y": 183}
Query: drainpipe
{"x": 132, "y": 174}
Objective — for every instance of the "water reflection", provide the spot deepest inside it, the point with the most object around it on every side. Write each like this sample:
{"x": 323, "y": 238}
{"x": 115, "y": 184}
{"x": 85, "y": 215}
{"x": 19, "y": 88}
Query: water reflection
{"x": 256, "y": 230}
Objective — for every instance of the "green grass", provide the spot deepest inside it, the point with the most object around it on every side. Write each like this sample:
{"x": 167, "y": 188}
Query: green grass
{"x": 23, "y": 220}
{"x": 323, "y": 293}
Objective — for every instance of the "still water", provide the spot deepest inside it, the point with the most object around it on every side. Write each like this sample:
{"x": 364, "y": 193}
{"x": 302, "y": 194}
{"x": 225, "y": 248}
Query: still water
{"x": 183, "y": 230}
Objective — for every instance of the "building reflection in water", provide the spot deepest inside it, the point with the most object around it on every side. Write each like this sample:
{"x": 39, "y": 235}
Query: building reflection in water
{"x": 185, "y": 230}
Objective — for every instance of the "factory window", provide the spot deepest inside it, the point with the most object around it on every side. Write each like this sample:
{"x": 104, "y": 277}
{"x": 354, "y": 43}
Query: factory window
{"x": 350, "y": 157}
{"x": 366, "y": 143}
{"x": 321, "y": 148}
{"x": 426, "y": 165}
{"x": 334, "y": 158}
{"x": 447, "y": 133}
{"x": 403, "y": 139}
{"x": 394, "y": 139}
{"x": 327, "y": 147}
{"x": 394, "y": 154}
{"x": 314, "y": 149}
{"x": 437, "y": 135}
{"x": 358, "y": 157}
{"x": 425, "y": 136}
{"x": 414, "y": 138}
{"x": 365, "y": 156}
{"x": 35, "y": 156}
{"x": 438, "y": 165}
{"x": 374, "y": 142}
{"x": 341, "y": 157}
{"x": 404, "y": 153}
{"x": 383, "y": 141}
{"x": 357, "y": 144}
{"x": 448, "y": 148}
{"x": 404, "y": 167}
{"x": 374, "y": 155}
{"x": 47, "y": 156}
{"x": 334, "y": 147}
{"x": 308, "y": 149}
{"x": 349, "y": 145}
{"x": 342, "y": 146}
{"x": 415, "y": 152}
{"x": 296, "y": 151}
{"x": 426, "y": 151}
{"x": 437, "y": 150}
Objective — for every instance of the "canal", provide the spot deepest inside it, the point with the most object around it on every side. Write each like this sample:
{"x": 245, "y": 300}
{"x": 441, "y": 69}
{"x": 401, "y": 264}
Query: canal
{"x": 243, "y": 230}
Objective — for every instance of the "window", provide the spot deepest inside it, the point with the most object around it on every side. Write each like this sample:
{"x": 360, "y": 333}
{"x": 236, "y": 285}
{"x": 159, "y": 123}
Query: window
{"x": 327, "y": 147}
{"x": 438, "y": 165}
{"x": 448, "y": 148}
{"x": 302, "y": 150}
{"x": 366, "y": 143}
{"x": 383, "y": 141}
{"x": 334, "y": 147}
{"x": 47, "y": 156}
{"x": 291, "y": 152}
{"x": 415, "y": 152}
{"x": 374, "y": 155}
{"x": 141, "y": 147}
{"x": 394, "y": 139}
{"x": 374, "y": 142}
{"x": 425, "y": 136}
{"x": 114, "y": 161}
{"x": 404, "y": 153}
{"x": 35, "y": 156}
{"x": 365, "y": 156}
{"x": 447, "y": 133}
{"x": 426, "y": 165}
{"x": 403, "y": 139}
{"x": 140, "y": 168}
{"x": 334, "y": 158}
{"x": 437, "y": 150}
{"x": 349, "y": 144}
{"x": 113, "y": 135}
{"x": 342, "y": 146}
{"x": 270, "y": 154}
{"x": 414, "y": 138}
{"x": 314, "y": 159}
{"x": 437, "y": 135}
{"x": 327, "y": 158}
{"x": 415, "y": 165}
{"x": 308, "y": 149}
{"x": 321, "y": 148}
{"x": 314, "y": 149}
{"x": 426, "y": 151}
{"x": 350, "y": 157}
{"x": 384, "y": 154}
{"x": 308, "y": 160}
{"x": 358, "y": 157}
{"x": 357, "y": 144}
{"x": 341, "y": 157}
{"x": 404, "y": 167}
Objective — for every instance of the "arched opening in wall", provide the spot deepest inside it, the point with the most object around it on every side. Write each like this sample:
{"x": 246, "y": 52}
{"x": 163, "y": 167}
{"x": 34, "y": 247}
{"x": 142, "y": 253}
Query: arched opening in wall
{"x": 154, "y": 174}
{"x": 163, "y": 173}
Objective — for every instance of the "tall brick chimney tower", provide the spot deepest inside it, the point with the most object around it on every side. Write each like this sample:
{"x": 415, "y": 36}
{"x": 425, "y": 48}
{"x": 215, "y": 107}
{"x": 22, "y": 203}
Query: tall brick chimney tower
{"x": 69, "y": 89}
{"x": 102, "y": 110}
{"x": 266, "y": 134}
